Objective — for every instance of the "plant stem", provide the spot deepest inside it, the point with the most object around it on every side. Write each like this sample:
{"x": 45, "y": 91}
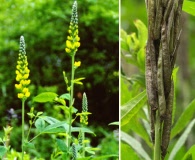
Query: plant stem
{"x": 71, "y": 101}
{"x": 157, "y": 148}
{"x": 83, "y": 153}
{"x": 23, "y": 102}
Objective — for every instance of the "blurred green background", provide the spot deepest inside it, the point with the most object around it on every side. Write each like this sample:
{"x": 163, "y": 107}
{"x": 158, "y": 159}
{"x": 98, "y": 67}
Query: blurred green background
{"x": 44, "y": 24}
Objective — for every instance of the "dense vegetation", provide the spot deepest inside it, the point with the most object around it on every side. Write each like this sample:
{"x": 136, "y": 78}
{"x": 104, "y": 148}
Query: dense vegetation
{"x": 44, "y": 24}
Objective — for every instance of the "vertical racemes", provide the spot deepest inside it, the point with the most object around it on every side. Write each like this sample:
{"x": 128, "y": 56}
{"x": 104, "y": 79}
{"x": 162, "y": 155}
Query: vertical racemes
{"x": 161, "y": 50}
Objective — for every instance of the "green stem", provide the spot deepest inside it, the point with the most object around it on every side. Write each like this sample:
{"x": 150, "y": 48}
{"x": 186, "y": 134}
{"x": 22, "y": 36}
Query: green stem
{"x": 23, "y": 102}
{"x": 157, "y": 148}
{"x": 71, "y": 100}
{"x": 83, "y": 153}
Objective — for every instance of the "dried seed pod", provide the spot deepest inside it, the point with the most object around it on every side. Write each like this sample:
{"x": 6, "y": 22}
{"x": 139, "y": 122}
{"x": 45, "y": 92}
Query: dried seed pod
{"x": 158, "y": 19}
{"x": 167, "y": 123}
{"x": 166, "y": 62}
{"x": 161, "y": 95}
{"x": 151, "y": 17}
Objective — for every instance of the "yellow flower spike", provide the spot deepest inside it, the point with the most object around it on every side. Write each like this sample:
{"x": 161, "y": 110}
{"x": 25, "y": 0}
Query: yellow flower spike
{"x": 72, "y": 42}
{"x": 22, "y": 72}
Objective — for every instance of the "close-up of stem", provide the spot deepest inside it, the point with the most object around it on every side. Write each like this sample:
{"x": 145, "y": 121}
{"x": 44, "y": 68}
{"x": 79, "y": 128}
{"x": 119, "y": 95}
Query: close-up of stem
{"x": 157, "y": 143}
{"x": 23, "y": 123}
{"x": 71, "y": 100}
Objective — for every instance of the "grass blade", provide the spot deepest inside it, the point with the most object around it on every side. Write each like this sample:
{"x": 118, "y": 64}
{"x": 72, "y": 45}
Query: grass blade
{"x": 136, "y": 145}
{"x": 181, "y": 140}
{"x": 184, "y": 119}
{"x": 132, "y": 107}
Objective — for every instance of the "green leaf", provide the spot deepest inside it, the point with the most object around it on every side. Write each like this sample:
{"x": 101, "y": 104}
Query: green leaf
{"x": 29, "y": 145}
{"x": 54, "y": 128}
{"x": 125, "y": 95}
{"x": 31, "y": 115}
{"x": 174, "y": 76}
{"x": 60, "y": 101}
{"x": 190, "y": 155}
{"x": 78, "y": 129}
{"x": 135, "y": 144}
{"x": 137, "y": 126}
{"x": 124, "y": 45}
{"x": 65, "y": 96}
{"x": 114, "y": 123}
{"x": 45, "y": 97}
{"x": 83, "y": 113}
{"x": 181, "y": 140}
{"x": 184, "y": 119}
{"x": 50, "y": 120}
{"x": 189, "y": 7}
{"x": 142, "y": 32}
{"x": 62, "y": 145}
{"x": 78, "y": 81}
{"x": 132, "y": 107}
{"x": 39, "y": 113}
{"x": 105, "y": 157}
{"x": 141, "y": 59}
{"x": 3, "y": 151}
{"x": 40, "y": 124}
{"x": 127, "y": 150}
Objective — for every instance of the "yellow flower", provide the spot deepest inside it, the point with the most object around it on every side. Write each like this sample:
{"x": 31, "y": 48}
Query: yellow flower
{"x": 27, "y": 82}
{"x": 25, "y": 76}
{"x": 77, "y": 64}
{"x": 27, "y": 94}
{"x": 25, "y": 90}
{"x": 67, "y": 50}
{"x": 77, "y": 44}
{"x": 72, "y": 42}
{"x": 18, "y": 86}
{"x": 20, "y": 95}
{"x": 18, "y": 77}
{"x": 68, "y": 44}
